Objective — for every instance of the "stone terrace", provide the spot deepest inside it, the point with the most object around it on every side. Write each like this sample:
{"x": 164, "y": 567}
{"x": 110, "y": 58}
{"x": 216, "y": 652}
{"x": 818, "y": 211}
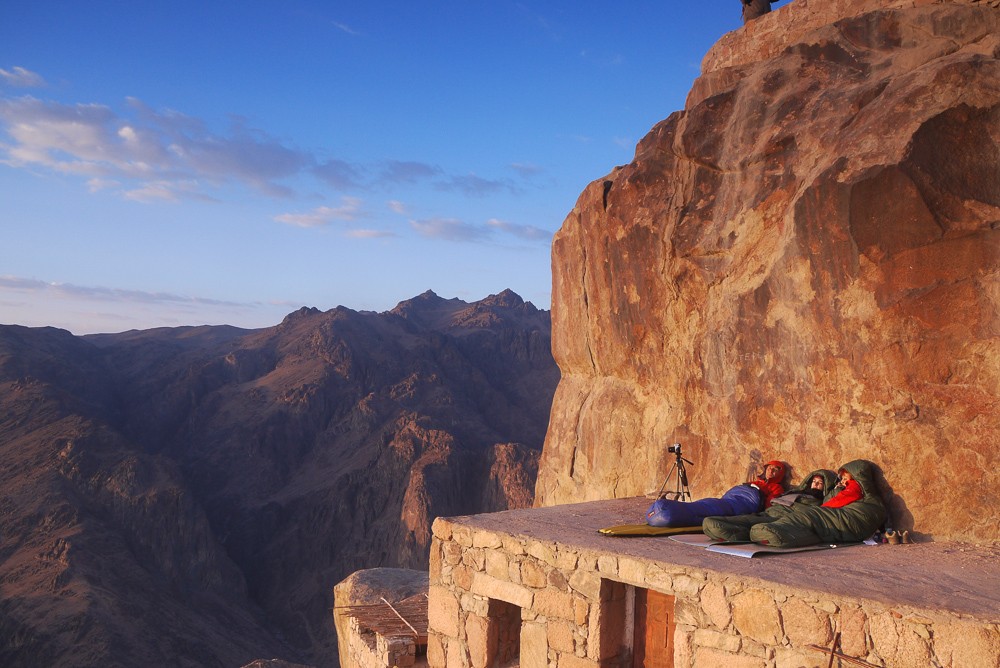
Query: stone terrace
{"x": 541, "y": 588}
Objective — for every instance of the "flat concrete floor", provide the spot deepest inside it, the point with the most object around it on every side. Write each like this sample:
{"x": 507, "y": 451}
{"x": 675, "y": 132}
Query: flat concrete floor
{"x": 957, "y": 577}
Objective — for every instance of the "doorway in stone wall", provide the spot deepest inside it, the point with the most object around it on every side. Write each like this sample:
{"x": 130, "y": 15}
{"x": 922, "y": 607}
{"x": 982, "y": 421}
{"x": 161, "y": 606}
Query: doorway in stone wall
{"x": 653, "y": 635}
{"x": 505, "y": 629}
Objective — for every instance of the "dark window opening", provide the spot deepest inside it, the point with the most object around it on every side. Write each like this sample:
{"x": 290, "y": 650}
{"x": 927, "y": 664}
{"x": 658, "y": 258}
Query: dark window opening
{"x": 505, "y": 629}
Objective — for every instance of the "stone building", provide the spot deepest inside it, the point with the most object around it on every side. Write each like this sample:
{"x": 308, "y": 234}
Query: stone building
{"x": 542, "y": 588}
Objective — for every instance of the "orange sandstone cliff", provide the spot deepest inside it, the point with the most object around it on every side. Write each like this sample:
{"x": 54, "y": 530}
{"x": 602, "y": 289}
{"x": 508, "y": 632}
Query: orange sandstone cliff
{"x": 801, "y": 264}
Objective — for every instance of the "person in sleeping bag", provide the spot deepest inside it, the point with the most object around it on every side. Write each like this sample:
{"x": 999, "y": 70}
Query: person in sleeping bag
{"x": 848, "y": 491}
{"x": 852, "y": 511}
{"x": 814, "y": 489}
{"x": 749, "y": 497}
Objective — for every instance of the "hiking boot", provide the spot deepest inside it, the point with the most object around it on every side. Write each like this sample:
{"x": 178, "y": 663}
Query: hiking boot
{"x": 892, "y": 537}
{"x": 906, "y": 538}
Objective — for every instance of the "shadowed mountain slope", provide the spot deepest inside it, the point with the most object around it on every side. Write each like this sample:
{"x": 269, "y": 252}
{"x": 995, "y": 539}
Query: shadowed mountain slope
{"x": 189, "y": 496}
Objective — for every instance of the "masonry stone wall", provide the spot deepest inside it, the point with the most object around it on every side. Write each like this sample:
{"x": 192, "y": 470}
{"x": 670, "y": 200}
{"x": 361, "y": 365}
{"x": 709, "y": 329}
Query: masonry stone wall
{"x": 367, "y": 648}
{"x": 571, "y": 615}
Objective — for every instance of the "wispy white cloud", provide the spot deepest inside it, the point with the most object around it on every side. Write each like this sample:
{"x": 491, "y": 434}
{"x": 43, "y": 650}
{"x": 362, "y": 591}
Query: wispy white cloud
{"x": 95, "y": 293}
{"x": 75, "y": 139}
{"x": 449, "y": 229}
{"x": 527, "y": 232}
{"x": 85, "y": 309}
{"x": 395, "y": 172}
{"x": 165, "y": 191}
{"x": 476, "y": 186}
{"x": 162, "y": 155}
{"x": 152, "y": 192}
{"x": 20, "y": 77}
{"x": 338, "y": 174}
{"x": 403, "y": 171}
{"x": 343, "y": 27}
{"x": 526, "y": 170}
{"x": 96, "y": 184}
{"x": 247, "y": 155}
{"x": 349, "y": 210}
{"x": 147, "y": 148}
{"x": 453, "y": 229}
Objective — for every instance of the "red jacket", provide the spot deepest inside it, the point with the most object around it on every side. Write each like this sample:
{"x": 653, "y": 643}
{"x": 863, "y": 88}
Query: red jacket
{"x": 852, "y": 492}
{"x": 774, "y": 487}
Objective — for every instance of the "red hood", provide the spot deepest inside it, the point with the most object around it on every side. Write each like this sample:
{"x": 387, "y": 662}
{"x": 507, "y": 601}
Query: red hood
{"x": 781, "y": 469}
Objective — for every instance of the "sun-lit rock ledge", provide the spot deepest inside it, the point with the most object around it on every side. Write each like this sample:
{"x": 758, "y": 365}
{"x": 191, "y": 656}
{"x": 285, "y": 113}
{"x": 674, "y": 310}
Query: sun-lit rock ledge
{"x": 544, "y": 588}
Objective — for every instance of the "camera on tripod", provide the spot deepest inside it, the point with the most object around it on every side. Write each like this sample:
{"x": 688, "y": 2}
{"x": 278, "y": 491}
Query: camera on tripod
{"x": 682, "y": 492}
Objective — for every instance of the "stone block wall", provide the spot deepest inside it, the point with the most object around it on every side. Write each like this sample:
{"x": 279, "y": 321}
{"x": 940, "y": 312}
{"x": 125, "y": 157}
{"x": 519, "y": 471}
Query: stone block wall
{"x": 360, "y": 646}
{"x": 367, "y": 648}
{"x": 569, "y": 608}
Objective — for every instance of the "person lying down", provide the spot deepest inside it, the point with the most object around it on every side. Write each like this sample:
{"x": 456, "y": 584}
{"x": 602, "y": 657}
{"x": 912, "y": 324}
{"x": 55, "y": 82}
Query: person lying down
{"x": 749, "y": 497}
{"x": 849, "y": 510}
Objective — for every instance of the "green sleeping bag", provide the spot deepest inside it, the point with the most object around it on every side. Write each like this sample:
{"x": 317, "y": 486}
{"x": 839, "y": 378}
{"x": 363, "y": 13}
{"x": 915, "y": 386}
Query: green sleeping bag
{"x": 804, "y": 521}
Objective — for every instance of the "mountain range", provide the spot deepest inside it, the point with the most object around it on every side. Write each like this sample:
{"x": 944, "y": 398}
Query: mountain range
{"x": 189, "y": 496}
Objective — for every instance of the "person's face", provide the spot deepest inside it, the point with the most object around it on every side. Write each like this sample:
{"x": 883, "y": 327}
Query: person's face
{"x": 845, "y": 477}
{"x": 771, "y": 471}
{"x": 816, "y": 483}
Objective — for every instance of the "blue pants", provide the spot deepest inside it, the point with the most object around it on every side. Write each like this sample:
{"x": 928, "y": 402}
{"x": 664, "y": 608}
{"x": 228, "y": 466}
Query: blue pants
{"x": 739, "y": 500}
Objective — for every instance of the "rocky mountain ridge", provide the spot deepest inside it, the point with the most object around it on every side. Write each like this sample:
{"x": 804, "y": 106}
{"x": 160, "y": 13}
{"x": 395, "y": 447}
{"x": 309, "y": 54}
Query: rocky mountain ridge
{"x": 189, "y": 496}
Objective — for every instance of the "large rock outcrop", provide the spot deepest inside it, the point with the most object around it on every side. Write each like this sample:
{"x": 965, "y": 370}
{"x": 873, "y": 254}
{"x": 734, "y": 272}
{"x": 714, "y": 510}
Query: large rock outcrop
{"x": 804, "y": 264}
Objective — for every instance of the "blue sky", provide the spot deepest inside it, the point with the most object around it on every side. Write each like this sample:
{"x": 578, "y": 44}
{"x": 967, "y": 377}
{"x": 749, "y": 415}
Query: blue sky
{"x": 187, "y": 163}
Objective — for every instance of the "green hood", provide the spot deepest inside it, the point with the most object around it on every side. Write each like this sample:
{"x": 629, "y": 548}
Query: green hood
{"x": 863, "y": 472}
{"x": 856, "y": 521}
{"x": 830, "y": 480}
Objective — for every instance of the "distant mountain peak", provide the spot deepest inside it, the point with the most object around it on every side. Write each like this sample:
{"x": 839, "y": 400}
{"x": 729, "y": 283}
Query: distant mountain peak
{"x": 303, "y": 312}
{"x": 427, "y": 299}
{"x": 433, "y": 312}
{"x": 508, "y": 298}
{"x": 428, "y": 309}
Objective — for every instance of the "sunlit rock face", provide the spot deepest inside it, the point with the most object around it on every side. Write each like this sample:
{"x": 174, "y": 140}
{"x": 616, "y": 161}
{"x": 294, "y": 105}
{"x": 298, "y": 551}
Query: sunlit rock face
{"x": 801, "y": 264}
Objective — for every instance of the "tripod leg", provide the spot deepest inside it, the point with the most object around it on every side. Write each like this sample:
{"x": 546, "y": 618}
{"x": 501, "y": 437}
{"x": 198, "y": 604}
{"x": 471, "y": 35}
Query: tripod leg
{"x": 665, "y": 480}
{"x": 683, "y": 490}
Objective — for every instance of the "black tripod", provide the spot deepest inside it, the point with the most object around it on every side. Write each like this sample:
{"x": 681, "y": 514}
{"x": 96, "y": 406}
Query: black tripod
{"x": 681, "y": 490}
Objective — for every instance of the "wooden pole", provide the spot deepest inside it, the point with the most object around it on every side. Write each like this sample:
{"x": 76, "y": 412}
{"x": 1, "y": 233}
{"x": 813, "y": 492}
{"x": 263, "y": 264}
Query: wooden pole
{"x": 832, "y": 651}
{"x": 400, "y": 616}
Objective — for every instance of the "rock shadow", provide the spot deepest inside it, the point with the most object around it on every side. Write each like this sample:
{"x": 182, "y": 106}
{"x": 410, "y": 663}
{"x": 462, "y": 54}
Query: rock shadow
{"x": 900, "y": 518}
